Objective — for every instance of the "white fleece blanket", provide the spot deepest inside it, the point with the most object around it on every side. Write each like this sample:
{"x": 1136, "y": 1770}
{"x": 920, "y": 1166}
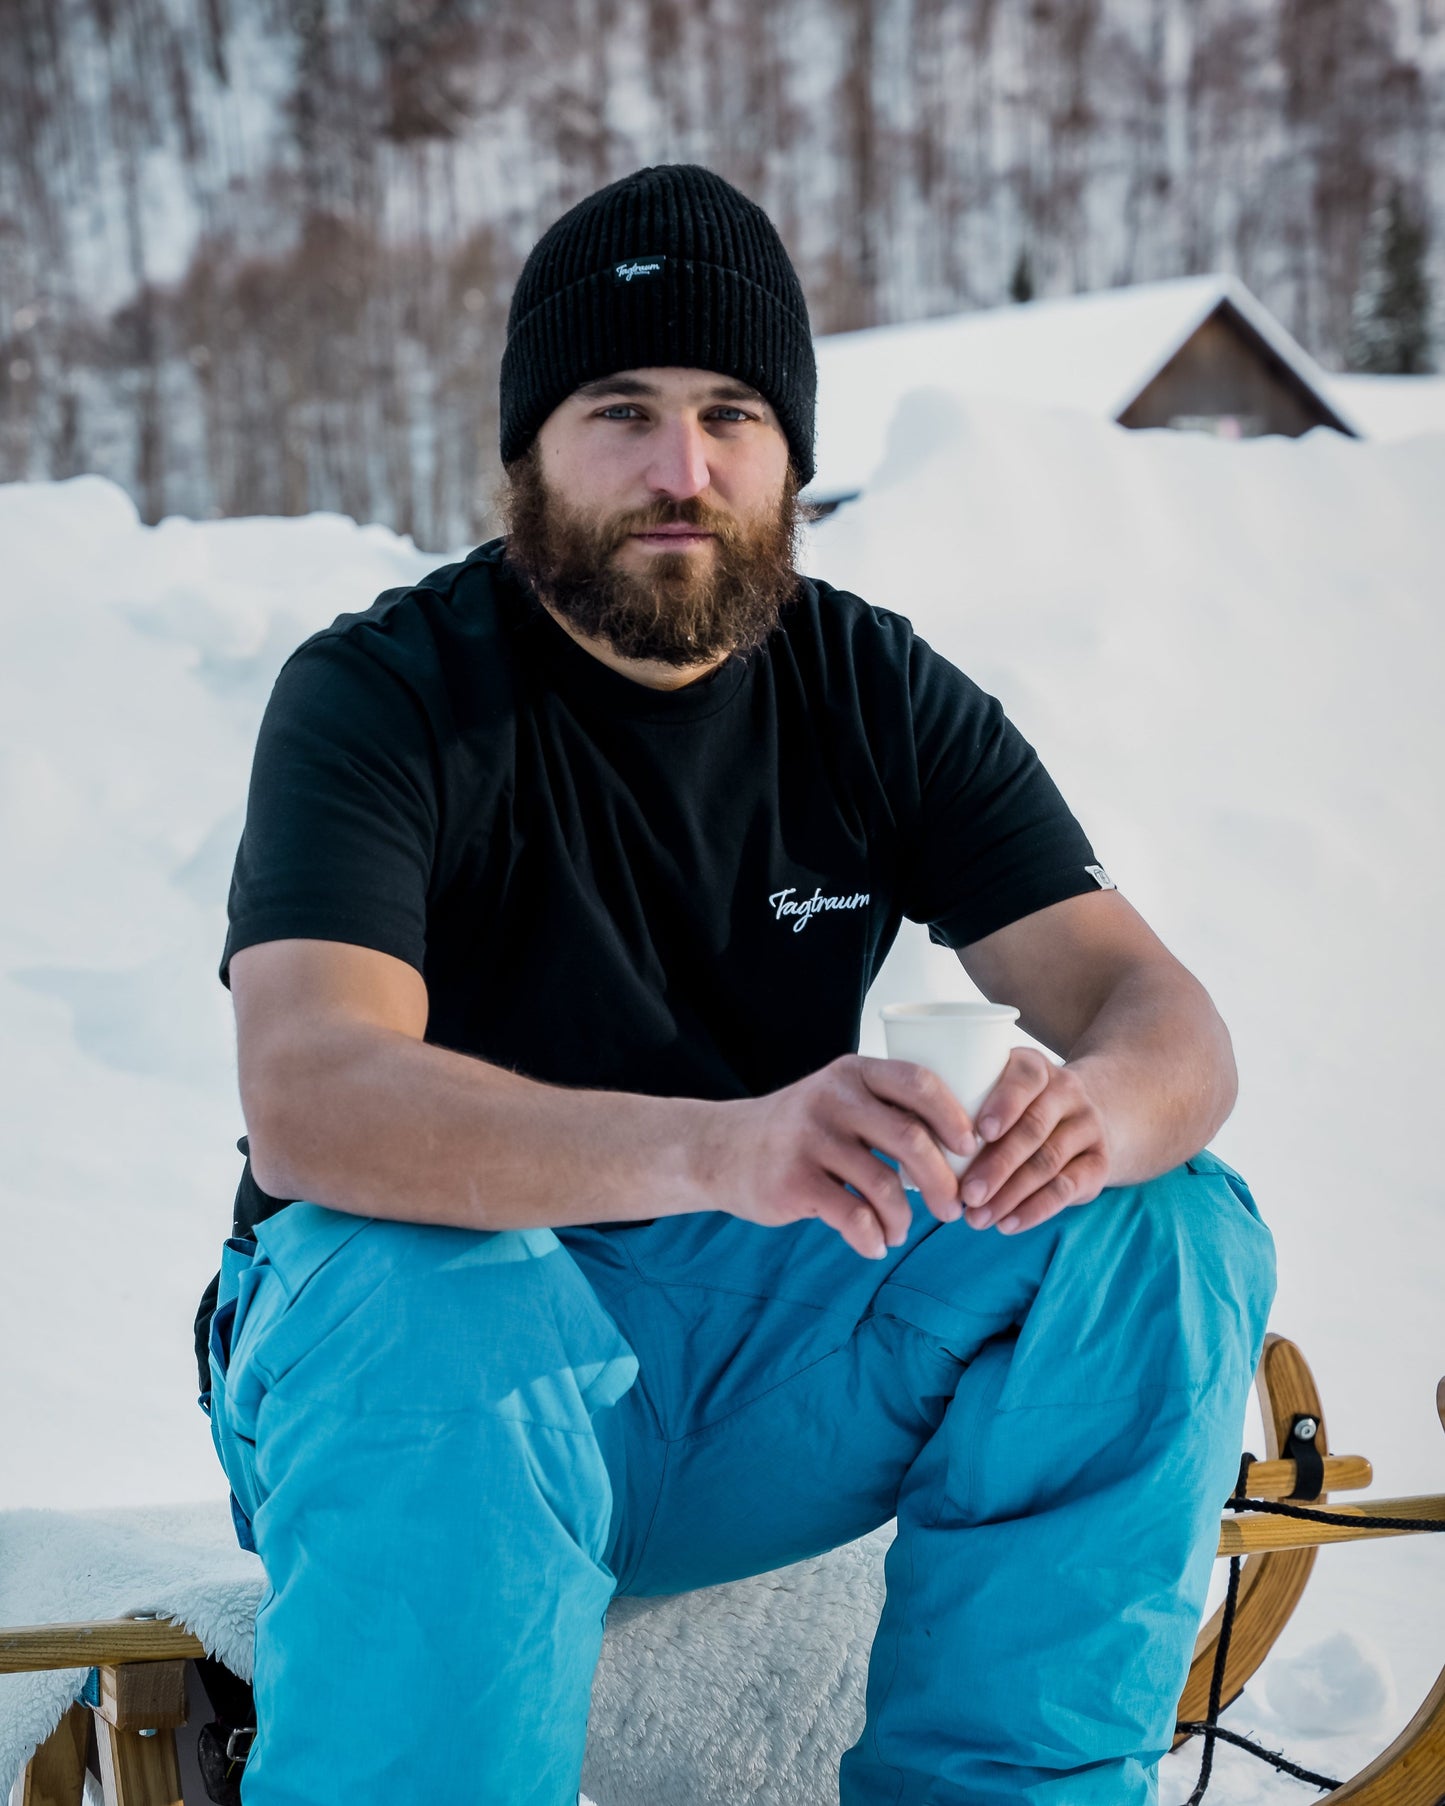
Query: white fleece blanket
{"x": 747, "y": 1691}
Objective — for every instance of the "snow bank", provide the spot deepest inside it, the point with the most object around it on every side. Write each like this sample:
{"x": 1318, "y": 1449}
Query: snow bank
{"x": 139, "y": 661}
{"x": 1392, "y": 407}
{"x": 1228, "y": 655}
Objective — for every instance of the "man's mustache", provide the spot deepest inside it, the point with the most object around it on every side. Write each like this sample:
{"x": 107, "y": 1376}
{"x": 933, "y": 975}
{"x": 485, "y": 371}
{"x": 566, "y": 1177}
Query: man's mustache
{"x": 691, "y": 512}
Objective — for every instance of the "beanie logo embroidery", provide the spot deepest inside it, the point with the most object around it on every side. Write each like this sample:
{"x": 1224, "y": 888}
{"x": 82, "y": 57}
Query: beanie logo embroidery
{"x": 637, "y": 266}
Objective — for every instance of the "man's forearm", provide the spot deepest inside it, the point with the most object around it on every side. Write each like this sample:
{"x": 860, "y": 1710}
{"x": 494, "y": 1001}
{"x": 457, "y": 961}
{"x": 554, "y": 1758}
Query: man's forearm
{"x": 379, "y": 1123}
{"x": 1158, "y": 1061}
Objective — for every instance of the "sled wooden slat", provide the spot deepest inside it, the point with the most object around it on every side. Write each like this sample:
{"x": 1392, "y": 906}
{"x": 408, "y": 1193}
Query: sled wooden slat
{"x": 136, "y": 1770}
{"x": 1255, "y": 1531}
{"x": 1277, "y": 1479}
{"x": 31, "y": 1648}
{"x": 56, "y": 1772}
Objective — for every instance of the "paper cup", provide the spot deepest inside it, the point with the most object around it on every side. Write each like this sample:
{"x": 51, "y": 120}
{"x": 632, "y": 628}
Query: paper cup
{"x": 966, "y": 1044}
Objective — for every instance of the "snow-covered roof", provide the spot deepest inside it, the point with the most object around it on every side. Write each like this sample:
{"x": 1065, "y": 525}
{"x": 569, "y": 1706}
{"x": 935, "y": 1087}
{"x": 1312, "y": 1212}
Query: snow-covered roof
{"x": 1093, "y": 353}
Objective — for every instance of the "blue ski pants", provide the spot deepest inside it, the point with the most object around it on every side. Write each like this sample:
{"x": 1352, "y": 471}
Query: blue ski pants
{"x": 452, "y": 1447}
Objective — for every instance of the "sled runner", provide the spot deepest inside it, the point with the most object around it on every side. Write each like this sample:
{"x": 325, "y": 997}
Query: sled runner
{"x": 135, "y": 1697}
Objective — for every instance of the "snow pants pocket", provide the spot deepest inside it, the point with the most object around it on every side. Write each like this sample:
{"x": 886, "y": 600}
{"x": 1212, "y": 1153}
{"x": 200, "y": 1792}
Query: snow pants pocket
{"x": 253, "y": 1335}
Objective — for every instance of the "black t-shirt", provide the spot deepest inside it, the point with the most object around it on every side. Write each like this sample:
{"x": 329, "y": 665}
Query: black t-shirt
{"x": 684, "y": 893}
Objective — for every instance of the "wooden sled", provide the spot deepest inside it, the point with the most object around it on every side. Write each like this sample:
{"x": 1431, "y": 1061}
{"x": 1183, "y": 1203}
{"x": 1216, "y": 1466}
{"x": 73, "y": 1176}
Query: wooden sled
{"x": 134, "y": 1702}
{"x": 1279, "y": 1556}
{"x": 135, "y": 1699}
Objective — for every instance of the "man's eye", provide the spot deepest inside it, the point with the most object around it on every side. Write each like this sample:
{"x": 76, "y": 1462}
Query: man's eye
{"x": 617, "y": 410}
{"x": 737, "y": 413}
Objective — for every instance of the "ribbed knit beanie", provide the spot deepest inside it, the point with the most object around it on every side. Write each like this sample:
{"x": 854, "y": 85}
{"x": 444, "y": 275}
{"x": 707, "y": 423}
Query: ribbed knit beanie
{"x": 669, "y": 266}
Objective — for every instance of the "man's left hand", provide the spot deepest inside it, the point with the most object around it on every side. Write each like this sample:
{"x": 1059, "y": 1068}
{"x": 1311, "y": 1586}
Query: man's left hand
{"x": 1045, "y": 1146}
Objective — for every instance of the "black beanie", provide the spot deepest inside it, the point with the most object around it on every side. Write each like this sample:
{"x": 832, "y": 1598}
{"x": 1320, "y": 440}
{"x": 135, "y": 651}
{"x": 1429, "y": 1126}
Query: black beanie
{"x": 670, "y": 266}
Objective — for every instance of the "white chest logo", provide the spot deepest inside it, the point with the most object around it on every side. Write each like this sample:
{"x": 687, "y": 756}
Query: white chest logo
{"x": 787, "y": 903}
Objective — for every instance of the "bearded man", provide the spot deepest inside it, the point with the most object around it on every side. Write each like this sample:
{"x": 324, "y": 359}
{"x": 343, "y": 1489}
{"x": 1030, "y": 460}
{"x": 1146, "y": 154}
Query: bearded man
{"x": 577, "y": 1251}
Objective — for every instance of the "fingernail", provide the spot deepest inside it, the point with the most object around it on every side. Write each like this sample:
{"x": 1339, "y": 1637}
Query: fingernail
{"x": 981, "y": 1219}
{"x": 1008, "y": 1227}
{"x": 988, "y": 1128}
{"x": 975, "y": 1191}
{"x": 968, "y": 1144}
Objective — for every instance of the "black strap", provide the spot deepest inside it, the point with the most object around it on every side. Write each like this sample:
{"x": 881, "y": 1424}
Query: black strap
{"x": 1309, "y": 1463}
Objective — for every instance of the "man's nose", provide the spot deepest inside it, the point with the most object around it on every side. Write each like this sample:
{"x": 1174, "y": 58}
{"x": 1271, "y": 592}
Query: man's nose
{"x": 679, "y": 467}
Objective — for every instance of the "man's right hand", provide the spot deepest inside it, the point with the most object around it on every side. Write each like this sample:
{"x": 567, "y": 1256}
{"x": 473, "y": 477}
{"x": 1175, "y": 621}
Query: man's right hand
{"x": 793, "y": 1153}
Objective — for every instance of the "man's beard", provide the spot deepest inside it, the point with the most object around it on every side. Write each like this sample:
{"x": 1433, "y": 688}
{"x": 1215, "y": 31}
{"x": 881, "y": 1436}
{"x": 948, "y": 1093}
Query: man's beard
{"x": 684, "y": 608}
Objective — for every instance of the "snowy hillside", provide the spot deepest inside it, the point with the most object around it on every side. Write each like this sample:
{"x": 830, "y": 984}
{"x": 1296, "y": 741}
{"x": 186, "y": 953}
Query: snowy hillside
{"x": 1228, "y": 655}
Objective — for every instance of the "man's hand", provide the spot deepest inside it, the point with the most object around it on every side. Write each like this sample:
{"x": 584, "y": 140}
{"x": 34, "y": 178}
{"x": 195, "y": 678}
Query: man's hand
{"x": 1149, "y": 1074}
{"x": 1046, "y": 1146}
{"x": 793, "y": 1153}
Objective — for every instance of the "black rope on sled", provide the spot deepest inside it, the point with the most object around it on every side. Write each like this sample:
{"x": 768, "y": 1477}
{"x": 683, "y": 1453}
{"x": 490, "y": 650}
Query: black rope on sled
{"x": 1221, "y": 1657}
{"x": 1273, "y": 1757}
{"x": 1358, "y": 1518}
{"x": 1208, "y": 1727}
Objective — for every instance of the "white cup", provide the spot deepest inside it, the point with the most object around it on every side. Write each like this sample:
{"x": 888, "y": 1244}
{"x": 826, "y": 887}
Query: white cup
{"x": 966, "y": 1044}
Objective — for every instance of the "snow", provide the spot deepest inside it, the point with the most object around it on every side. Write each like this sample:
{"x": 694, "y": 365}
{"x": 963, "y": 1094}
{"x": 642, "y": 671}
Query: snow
{"x": 1392, "y": 407}
{"x": 1091, "y": 352}
{"x": 1342, "y": 1684}
{"x": 1227, "y": 655}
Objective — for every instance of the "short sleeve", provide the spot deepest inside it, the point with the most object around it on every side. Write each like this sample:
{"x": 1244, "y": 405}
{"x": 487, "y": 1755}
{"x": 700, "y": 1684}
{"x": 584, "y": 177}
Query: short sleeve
{"x": 341, "y": 814}
{"x": 994, "y": 839}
